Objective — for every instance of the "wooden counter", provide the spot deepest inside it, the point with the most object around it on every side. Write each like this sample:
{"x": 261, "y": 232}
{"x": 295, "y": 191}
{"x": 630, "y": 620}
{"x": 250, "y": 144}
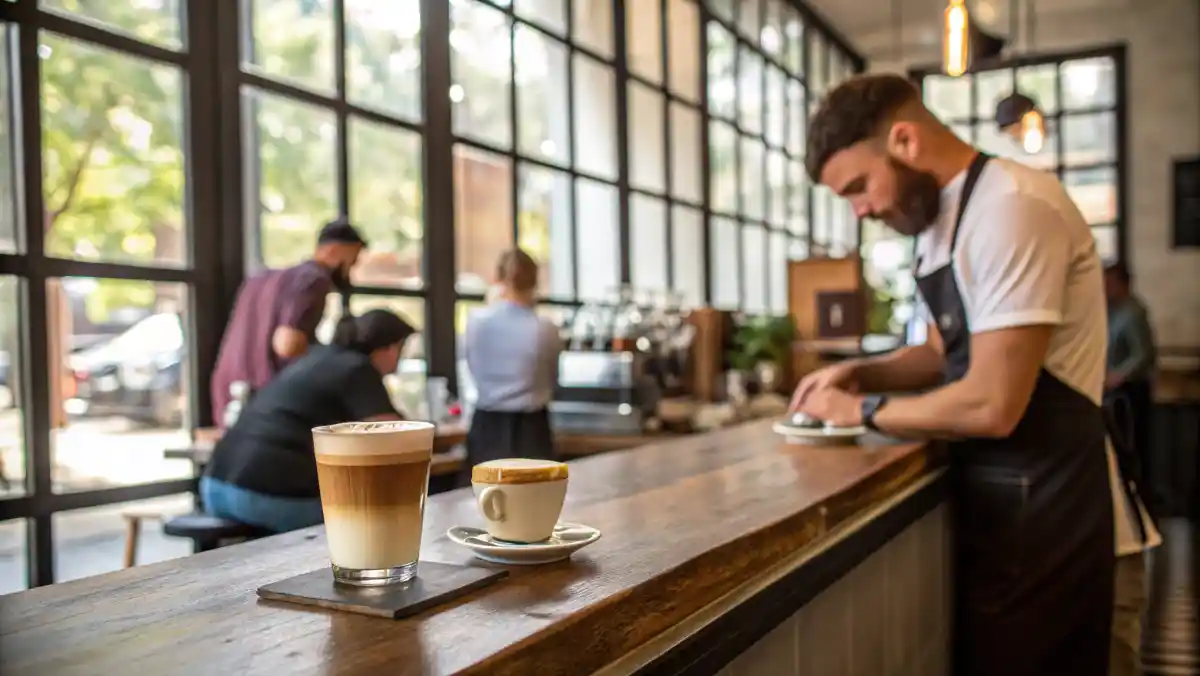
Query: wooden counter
{"x": 685, "y": 522}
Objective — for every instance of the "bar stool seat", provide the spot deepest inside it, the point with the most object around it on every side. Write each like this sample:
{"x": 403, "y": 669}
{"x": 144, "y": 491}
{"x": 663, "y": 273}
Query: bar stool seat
{"x": 208, "y": 531}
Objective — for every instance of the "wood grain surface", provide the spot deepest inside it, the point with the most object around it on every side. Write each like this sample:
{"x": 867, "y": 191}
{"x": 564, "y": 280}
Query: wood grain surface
{"x": 684, "y": 522}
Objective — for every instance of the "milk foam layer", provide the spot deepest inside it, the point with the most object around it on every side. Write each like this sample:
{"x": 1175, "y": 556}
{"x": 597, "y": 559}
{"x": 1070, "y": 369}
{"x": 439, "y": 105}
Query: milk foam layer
{"x": 409, "y": 440}
{"x": 373, "y": 538}
{"x": 520, "y": 463}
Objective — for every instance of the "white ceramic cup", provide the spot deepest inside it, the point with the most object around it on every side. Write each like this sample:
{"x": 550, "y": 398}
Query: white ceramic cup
{"x": 520, "y": 499}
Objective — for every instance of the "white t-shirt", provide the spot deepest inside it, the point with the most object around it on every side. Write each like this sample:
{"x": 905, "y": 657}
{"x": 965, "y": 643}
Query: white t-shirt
{"x": 1025, "y": 255}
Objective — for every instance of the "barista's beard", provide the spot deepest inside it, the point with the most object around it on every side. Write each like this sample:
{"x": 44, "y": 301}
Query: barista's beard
{"x": 918, "y": 203}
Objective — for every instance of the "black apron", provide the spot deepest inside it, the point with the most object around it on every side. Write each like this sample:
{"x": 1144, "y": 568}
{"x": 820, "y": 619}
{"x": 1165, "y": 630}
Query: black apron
{"x": 509, "y": 434}
{"x": 1034, "y": 546}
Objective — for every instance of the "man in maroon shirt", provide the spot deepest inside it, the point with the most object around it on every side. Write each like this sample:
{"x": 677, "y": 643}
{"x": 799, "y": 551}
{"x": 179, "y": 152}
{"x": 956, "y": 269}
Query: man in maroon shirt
{"x": 276, "y": 314}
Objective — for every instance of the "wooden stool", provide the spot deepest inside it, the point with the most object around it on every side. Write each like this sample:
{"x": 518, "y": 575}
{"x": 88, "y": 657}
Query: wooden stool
{"x": 133, "y": 532}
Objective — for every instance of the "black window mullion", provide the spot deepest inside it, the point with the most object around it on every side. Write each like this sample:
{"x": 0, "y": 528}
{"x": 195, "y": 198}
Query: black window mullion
{"x": 571, "y": 149}
{"x": 708, "y": 283}
{"x": 342, "y": 143}
{"x": 668, "y": 159}
{"x": 622, "y": 105}
{"x": 513, "y": 128}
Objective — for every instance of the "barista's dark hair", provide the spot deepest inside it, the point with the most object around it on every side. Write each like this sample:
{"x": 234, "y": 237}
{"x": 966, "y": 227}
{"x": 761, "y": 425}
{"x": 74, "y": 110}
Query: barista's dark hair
{"x": 1119, "y": 271}
{"x": 855, "y": 110}
{"x": 371, "y": 331}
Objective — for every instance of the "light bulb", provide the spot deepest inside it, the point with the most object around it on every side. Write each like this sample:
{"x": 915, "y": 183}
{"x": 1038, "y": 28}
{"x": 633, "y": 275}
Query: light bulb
{"x": 955, "y": 41}
{"x": 1033, "y": 132}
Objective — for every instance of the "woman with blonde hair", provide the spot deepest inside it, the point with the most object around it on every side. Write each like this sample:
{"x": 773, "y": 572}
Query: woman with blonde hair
{"x": 512, "y": 355}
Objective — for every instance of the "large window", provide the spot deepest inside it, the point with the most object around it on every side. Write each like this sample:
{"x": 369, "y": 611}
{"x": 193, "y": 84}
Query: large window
{"x": 97, "y": 280}
{"x": 768, "y": 67}
{"x": 155, "y": 154}
{"x": 1079, "y": 93}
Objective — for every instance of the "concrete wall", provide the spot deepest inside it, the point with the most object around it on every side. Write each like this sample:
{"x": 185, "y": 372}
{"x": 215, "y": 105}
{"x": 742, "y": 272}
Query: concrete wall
{"x": 1163, "y": 76}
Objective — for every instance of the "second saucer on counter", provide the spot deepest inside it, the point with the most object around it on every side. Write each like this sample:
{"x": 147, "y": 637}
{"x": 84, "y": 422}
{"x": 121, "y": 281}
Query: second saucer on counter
{"x": 567, "y": 539}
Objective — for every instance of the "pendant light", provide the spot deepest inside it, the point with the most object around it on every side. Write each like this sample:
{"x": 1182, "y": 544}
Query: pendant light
{"x": 956, "y": 40}
{"x": 1018, "y": 115}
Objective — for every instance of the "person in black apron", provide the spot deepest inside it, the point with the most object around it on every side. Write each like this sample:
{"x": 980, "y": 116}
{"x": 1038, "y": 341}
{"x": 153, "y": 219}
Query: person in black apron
{"x": 512, "y": 356}
{"x": 1031, "y": 499}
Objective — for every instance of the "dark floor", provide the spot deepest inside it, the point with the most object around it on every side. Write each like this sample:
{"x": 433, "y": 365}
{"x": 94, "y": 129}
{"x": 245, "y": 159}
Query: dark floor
{"x": 1171, "y": 640}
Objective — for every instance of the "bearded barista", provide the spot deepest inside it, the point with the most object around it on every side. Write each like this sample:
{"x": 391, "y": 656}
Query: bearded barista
{"x": 1012, "y": 374}
{"x": 276, "y": 315}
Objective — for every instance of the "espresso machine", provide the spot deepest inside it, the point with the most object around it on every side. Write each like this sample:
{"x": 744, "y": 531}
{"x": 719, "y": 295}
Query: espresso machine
{"x": 604, "y": 393}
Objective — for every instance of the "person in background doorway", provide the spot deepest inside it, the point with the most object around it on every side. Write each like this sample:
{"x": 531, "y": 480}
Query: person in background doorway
{"x": 512, "y": 355}
{"x": 1131, "y": 362}
{"x": 275, "y": 318}
{"x": 263, "y": 471}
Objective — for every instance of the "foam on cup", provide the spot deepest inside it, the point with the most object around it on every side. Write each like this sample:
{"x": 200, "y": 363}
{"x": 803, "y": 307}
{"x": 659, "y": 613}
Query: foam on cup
{"x": 518, "y": 471}
{"x": 373, "y": 479}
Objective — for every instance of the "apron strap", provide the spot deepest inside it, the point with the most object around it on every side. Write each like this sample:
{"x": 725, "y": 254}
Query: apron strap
{"x": 1128, "y": 463}
{"x": 973, "y": 172}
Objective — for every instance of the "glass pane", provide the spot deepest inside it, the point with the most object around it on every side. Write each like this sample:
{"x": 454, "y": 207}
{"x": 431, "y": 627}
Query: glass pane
{"x": 293, "y": 40}
{"x": 643, "y": 38}
{"x": 112, "y": 156}
{"x": 963, "y": 131}
{"x": 750, "y": 89}
{"x": 683, "y": 36}
{"x": 990, "y": 87}
{"x": 794, "y": 32}
{"x": 722, "y": 82}
{"x": 818, "y": 64}
{"x": 383, "y": 56}
{"x": 753, "y": 193}
{"x": 722, "y": 141}
{"x": 776, "y": 107}
{"x": 1106, "y": 243}
{"x": 543, "y": 129}
{"x": 648, "y": 242}
{"x": 595, "y": 110}
{"x": 1089, "y": 83}
{"x": 1089, "y": 139}
{"x": 598, "y": 247}
{"x": 845, "y": 227}
{"x": 776, "y": 188}
{"x": 551, "y": 14}
{"x": 544, "y": 227}
{"x": 12, "y": 430}
{"x": 725, "y": 265}
{"x": 156, "y": 22}
{"x": 778, "y": 265}
{"x": 822, "y": 215}
{"x": 1094, "y": 191}
{"x": 686, "y": 149}
{"x": 647, "y": 148}
{"x": 948, "y": 97}
{"x": 119, "y": 381}
{"x": 754, "y": 267}
{"x": 1038, "y": 82}
{"x": 687, "y": 254}
{"x": 482, "y": 71}
{"x": 749, "y": 20}
{"x": 990, "y": 139}
{"x": 722, "y": 9}
{"x": 592, "y": 25}
{"x": 295, "y": 145}
{"x": 14, "y": 559}
{"x": 797, "y": 119}
{"x": 385, "y": 202}
{"x": 771, "y": 35}
{"x": 798, "y": 192}
{"x": 92, "y": 541}
{"x": 482, "y": 215}
{"x": 8, "y": 148}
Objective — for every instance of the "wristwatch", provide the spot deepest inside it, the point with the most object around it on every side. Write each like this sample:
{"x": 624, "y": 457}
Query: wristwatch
{"x": 870, "y": 406}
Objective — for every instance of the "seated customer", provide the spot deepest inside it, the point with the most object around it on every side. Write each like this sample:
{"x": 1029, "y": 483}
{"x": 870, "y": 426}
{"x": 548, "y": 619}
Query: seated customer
{"x": 263, "y": 471}
{"x": 512, "y": 355}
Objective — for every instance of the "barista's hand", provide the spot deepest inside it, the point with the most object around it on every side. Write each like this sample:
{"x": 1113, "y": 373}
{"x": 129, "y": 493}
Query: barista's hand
{"x": 836, "y": 407}
{"x": 840, "y": 376}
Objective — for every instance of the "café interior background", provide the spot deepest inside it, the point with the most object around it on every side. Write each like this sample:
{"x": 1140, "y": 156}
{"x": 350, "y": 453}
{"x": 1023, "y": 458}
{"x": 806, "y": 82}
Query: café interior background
{"x": 153, "y": 153}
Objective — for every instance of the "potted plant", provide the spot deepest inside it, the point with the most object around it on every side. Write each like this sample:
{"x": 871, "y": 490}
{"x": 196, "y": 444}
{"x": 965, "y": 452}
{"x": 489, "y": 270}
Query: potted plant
{"x": 761, "y": 347}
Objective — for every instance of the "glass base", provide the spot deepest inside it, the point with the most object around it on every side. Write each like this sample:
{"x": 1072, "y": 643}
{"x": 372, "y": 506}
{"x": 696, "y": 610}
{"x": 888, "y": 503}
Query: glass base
{"x": 374, "y": 577}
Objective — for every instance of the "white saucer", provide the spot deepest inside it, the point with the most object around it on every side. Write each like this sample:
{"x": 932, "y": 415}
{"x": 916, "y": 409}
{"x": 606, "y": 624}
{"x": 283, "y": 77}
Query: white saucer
{"x": 567, "y": 538}
{"x": 818, "y": 436}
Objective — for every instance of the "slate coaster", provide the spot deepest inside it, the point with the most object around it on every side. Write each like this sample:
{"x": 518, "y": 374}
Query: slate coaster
{"x": 435, "y": 583}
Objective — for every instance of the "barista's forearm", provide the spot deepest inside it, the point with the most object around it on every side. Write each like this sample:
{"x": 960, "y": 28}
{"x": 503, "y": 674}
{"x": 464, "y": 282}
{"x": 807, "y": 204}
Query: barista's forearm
{"x": 908, "y": 369}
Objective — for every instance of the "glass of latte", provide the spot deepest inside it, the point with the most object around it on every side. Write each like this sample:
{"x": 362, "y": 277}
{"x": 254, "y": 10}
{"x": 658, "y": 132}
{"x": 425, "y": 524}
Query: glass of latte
{"x": 374, "y": 478}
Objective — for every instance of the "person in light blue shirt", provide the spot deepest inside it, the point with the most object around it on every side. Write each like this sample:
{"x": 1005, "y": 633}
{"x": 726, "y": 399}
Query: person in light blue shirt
{"x": 512, "y": 354}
